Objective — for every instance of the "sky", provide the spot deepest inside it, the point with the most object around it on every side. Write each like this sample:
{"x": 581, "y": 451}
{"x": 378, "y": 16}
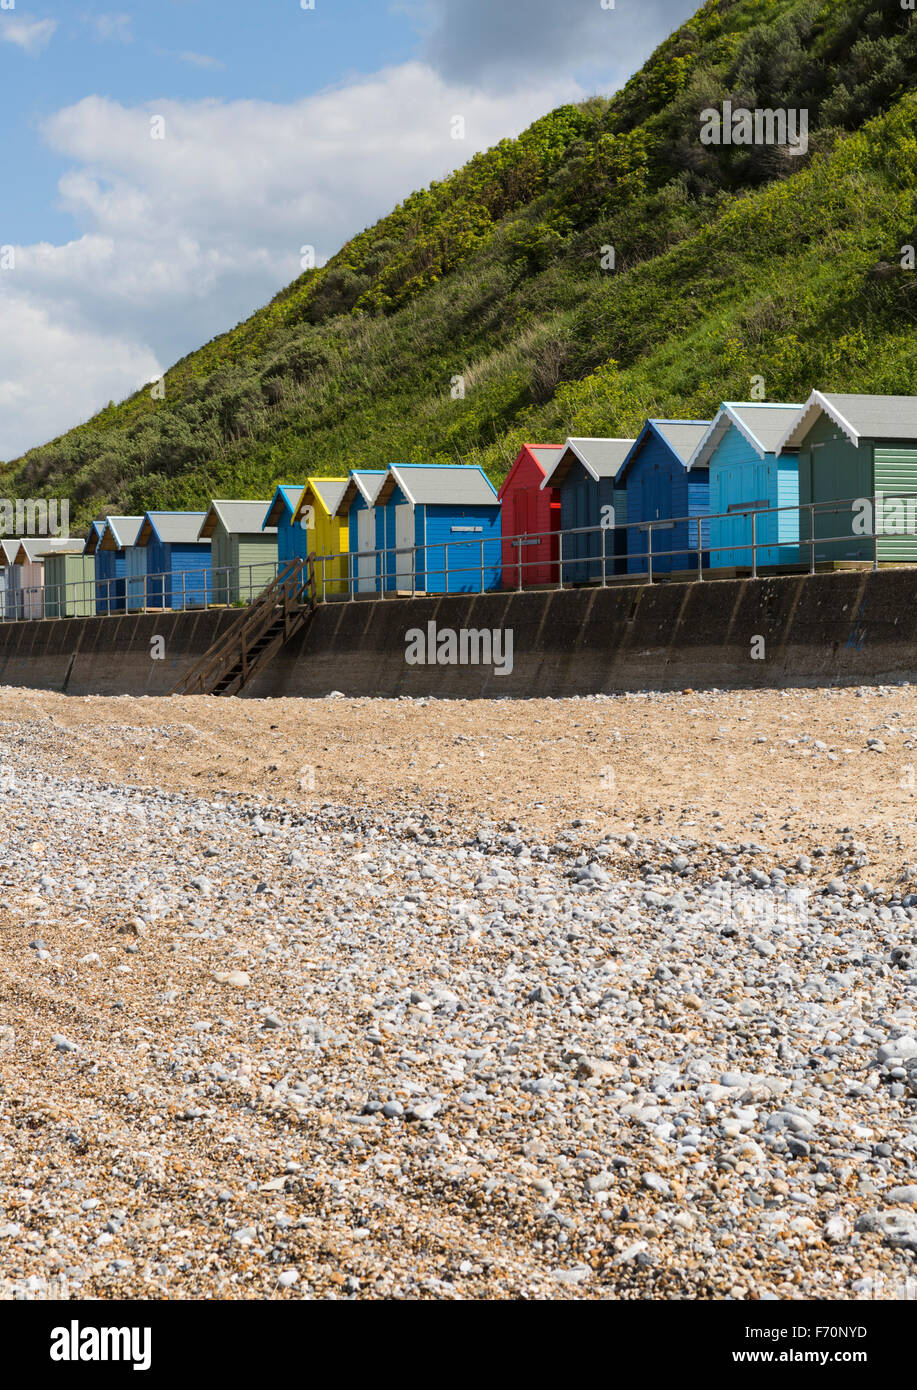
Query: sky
{"x": 164, "y": 165}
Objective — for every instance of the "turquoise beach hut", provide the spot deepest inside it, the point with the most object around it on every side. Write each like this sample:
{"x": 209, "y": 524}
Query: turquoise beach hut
{"x": 749, "y": 473}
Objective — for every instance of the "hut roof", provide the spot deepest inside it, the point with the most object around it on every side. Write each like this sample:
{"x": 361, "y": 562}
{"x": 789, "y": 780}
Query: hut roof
{"x": 681, "y": 436}
{"x": 601, "y": 458}
{"x": 236, "y": 518}
{"x": 858, "y": 417}
{"x": 326, "y": 492}
{"x": 120, "y": 532}
{"x": 545, "y": 455}
{"x": 31, "y": 550}
{"x": 283, "y": 504}
{"x": 439, "y": 484}
{"x": 171, "y": 528}
{"x": 363, "y": 482}
{"x": 96, "y": 531}
{"x": 762, "y": 424}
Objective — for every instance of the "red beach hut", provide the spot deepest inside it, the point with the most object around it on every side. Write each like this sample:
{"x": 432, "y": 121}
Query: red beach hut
{"x": 532, "y": 512}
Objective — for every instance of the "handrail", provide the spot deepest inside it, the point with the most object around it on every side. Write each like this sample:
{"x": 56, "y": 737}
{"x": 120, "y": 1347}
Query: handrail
{"x": 286, "y": 592}
{"x": 405, "y": 565}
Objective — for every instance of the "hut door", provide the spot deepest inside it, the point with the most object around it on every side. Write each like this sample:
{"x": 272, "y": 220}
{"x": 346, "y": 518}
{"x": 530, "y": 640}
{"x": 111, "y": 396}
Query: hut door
{"x": 366, "y": 539}
{"x": 520, "y": 528}
{"x": 404, "y": 539}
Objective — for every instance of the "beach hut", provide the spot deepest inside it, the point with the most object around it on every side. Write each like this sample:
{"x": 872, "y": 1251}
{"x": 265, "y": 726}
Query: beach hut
{"x": 69, "y": 579}
{"x": 660, "y": 489}
{"x": 292, "y": 539}
{"x": 112, "y": 552}
{"x": 96, "y": 531}
{"x": 750, "y": 473}
{"x": 177, "y": 560}
{"x": 26, "y": 577}
{"x": 441, "y": 525}
{"x": 532, "y": 512}
{"x": 364, "y": 528}
{"x": 857, "y": 476}
{"x": 327, "y": 534}
{"x": 8, "y": 550}
{"x": 243, "y": 550}
{"x": 585, "y": 475}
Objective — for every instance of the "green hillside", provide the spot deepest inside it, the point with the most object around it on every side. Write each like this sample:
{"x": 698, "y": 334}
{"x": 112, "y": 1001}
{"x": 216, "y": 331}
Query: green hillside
{"x": 730, "y": 262}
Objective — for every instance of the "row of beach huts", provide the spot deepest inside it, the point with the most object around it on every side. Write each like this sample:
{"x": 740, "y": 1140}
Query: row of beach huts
{"x": 694, "y": 492}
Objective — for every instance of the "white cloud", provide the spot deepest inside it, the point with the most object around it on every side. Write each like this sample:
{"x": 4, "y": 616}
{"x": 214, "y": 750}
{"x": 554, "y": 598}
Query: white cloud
{"x": 31, "y": 35}
{"x": 53, "y": 373}
{"x": 115, "y": 27}
{"x": 200, "y": 60}
{"x": 182, "y": 237}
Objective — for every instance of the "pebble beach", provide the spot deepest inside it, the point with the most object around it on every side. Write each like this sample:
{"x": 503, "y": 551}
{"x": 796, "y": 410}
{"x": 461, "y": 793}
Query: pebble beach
{"x": 598, "y": 998}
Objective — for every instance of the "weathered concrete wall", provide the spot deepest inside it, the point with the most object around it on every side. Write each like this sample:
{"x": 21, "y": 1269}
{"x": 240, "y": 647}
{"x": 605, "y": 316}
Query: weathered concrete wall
{"x": 107, "y": 656}
{"x": 849, "y": 627}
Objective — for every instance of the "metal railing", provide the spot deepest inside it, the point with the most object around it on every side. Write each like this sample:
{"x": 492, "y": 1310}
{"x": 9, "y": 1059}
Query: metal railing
{"x": 600, "y": 554}
{"x": 743, "y": 539}
{"x": 175, "y": 591}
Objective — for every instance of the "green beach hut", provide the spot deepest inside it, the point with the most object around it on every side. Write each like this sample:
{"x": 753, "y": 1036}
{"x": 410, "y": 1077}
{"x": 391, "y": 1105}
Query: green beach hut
{"x": 244, "y": 557}
{"x": 857, "y": 476}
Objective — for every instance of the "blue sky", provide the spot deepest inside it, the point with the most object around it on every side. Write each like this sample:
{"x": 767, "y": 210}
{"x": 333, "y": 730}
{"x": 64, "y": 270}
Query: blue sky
{"x": 283, "y": 127}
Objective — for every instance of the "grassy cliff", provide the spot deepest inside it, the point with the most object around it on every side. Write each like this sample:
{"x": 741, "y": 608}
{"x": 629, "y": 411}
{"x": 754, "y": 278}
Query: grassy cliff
{"x": 730, "y": 262}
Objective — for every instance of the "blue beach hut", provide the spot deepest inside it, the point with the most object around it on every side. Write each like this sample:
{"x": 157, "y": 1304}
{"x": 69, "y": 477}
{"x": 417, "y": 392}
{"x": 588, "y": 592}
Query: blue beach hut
{"x": 450, "y": 509}
{"x": 365, "y": 528}
{"x": 660, "y": 489}
{"x": 292, "y": 536}
{"x": 178, "y": 573}
{"x": 749, "y": 473}
{"x": 585, "y": 476}
{"x": 118, "y": 535}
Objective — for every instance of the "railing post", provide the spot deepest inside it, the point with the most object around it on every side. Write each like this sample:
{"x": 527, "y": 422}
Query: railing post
{"x": 518, "y": 564}
{"x": 811, "y": 537}
{"x": 649, "y": 553}
{"x": 560, "y": 559}
{"x": 604, "y": 537}
{"x": 482, "y": 567}
{"x": 700, "y": 553}
{"x": 445, "y": 567}
{"x": 754, "y": 551}
{"x": 875, "y": 536}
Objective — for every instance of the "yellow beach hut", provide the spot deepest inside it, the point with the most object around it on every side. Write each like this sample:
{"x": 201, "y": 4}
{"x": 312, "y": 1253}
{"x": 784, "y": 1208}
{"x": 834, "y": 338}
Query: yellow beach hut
{"x": 327, "y": 533}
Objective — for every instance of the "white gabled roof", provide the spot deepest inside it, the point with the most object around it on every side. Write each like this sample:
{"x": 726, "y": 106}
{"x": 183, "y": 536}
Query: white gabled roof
{"x": 762, "y": 424}
{"x": 858, "y": 417}
{"x": 237, "y": 518}
{"x": 366, "y": 482}
{"x": 601, "y": 458}
{"x": 438, "y": 484}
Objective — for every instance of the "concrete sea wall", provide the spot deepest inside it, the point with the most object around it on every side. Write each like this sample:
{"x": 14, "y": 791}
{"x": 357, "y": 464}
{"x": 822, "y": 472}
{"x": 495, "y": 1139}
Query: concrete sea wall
{"x": 851, "y": 627}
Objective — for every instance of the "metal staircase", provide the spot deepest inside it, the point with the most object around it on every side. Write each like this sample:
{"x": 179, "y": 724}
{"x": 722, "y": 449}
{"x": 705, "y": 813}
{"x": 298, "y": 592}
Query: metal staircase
{"x": 279, "y": 612}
